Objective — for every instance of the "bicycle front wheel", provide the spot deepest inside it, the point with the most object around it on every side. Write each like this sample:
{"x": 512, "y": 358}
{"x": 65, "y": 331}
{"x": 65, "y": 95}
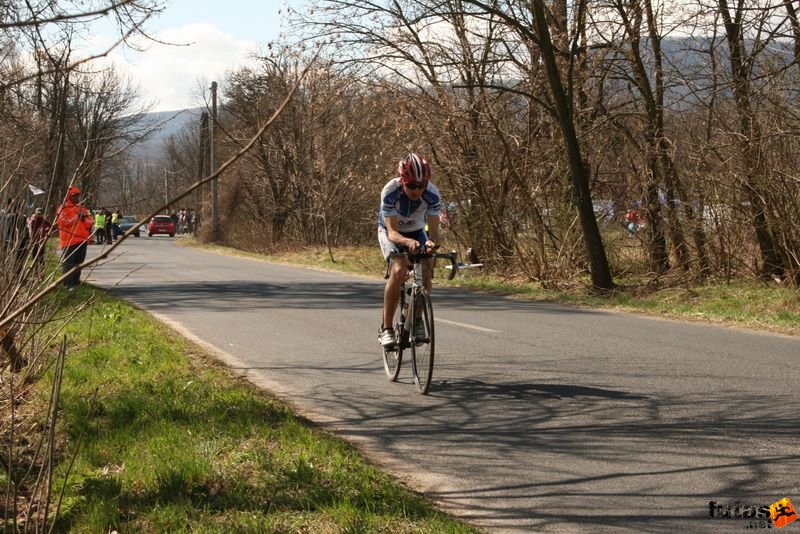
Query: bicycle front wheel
{"x": 423, "y": 342}
{"x": 393, "y": 356}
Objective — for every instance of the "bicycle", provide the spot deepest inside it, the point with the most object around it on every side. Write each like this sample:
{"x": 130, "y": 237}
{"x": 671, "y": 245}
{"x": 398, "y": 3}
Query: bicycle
{"x": 407, "y": 314}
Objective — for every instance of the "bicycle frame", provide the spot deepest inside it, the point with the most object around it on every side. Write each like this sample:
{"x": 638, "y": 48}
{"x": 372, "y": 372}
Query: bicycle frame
{"x": 408, "y": 295}
{"x": 415, "y": 317}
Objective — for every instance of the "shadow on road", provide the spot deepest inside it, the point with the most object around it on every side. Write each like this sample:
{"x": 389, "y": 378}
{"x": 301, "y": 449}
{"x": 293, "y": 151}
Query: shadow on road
{"x": 242, "y": 295}
{"x": 659, "y": 455}
{"x": 475, "y": 388}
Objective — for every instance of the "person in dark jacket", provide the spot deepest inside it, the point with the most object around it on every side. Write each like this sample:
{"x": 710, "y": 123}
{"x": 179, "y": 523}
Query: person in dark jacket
{"x": 38, "y": 230}
{"x": 15, "y": 235}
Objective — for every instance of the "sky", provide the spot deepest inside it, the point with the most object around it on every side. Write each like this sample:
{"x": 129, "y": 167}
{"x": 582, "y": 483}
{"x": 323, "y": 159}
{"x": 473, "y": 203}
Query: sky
{"x": 216, "y": 36}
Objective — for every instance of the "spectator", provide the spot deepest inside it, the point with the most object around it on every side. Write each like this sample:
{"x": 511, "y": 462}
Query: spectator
{"x": 181, "y": 228}
{"x": 109, "y": 226}
{"x": 634, "y": 219}
{"x": 74, "y": 233}
{"x": 191, "y": 221}
{"x": 7, "y": 225}
{"x": 15, "y": 235}
{"x": 100, "y": 226}
{"x": 39, "y": 230}
{"x": 115, "y": 215}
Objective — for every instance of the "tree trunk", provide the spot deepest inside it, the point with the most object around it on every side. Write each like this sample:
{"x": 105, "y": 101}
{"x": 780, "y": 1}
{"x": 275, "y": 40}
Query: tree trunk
{"x": 754, "y": 159}
{"x": 657, "y": 249}
{"x": 601, "y": 274}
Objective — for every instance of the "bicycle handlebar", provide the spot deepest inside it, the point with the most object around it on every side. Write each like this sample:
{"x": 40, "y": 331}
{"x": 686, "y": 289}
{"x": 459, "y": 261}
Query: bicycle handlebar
{"x": 415, "y": 258}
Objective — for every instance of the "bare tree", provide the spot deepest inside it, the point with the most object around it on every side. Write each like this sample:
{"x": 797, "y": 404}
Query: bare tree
{"x": 451, "y": 60}
{"x": 103, "y": 113}
{"x": 40, "y": 91}
{"x": 307, "y": 177}
{"x": 750, "y": 131}
{"x": 534, "y": 23}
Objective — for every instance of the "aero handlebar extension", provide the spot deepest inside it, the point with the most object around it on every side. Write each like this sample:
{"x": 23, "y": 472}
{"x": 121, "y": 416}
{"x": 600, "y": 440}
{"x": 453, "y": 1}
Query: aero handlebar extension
{"x": 415, "y": 258}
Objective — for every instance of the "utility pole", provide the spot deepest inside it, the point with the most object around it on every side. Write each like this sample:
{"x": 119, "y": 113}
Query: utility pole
{"x": 213, "y": 163}
{"x": 125, "y": 189}
{"x": 202, "y": 193}
{"x": 166, "y": 187}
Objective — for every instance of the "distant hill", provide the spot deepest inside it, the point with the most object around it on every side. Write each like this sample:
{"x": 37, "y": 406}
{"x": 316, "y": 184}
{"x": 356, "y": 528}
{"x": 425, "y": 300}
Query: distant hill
{"x": 160, "y": 126}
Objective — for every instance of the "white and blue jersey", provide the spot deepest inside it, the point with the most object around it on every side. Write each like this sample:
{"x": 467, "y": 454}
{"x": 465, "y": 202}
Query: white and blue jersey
{"x": 411, "y": 214}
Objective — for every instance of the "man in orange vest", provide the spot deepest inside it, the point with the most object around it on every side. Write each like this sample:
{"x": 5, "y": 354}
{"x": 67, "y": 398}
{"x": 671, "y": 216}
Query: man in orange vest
{"x": 74, "y": 230}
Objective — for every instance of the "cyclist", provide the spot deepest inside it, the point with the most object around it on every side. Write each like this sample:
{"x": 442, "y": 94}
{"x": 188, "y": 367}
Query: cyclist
{"x": 408, "y": 203}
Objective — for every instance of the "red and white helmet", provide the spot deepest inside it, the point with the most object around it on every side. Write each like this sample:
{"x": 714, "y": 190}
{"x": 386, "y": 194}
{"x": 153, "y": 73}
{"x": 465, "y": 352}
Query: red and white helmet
{"x": 414, "y": 169}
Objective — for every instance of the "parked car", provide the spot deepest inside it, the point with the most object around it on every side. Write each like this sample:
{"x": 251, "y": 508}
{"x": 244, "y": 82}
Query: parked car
{"x": 126, "y": 222}
{"x": 161, "y": 224}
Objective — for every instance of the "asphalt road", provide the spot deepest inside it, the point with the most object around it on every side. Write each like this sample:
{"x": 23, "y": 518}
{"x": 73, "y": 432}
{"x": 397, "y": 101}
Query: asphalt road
{"x": 541, "y": 418}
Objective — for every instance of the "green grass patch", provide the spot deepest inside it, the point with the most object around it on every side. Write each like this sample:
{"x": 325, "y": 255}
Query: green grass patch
{"x": 743, "y": 303}
{"x": 174, "y": 442}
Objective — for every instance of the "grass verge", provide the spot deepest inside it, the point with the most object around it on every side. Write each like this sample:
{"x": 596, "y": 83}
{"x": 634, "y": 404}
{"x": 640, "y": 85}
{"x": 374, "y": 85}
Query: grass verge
{"x": 742, "y": 303}
{"x": 175, "y": 442}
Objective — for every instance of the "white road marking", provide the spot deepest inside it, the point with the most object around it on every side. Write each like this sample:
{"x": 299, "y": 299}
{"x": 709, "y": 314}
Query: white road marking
{"x": 470, "y": 326}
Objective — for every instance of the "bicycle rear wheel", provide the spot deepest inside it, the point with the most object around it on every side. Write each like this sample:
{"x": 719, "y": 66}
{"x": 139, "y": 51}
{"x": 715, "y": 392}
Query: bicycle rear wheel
{"x": 422, "y": 348}
{"x": 393, "y": 356}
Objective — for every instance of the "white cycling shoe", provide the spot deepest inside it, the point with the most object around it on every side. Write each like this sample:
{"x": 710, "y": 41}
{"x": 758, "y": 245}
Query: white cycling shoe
{"x": 387, "y": 338}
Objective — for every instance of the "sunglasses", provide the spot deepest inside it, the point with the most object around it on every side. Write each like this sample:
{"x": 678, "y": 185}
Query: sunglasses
{"x": 415, "y": 186}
